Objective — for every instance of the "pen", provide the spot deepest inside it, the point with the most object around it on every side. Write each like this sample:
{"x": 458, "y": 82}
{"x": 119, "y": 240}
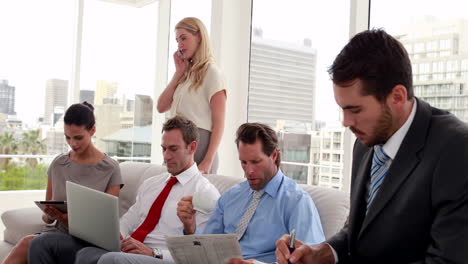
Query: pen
{"x": 291, "y": 241}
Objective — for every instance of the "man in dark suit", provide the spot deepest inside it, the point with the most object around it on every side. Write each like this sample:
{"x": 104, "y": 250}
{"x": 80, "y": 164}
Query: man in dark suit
{"x": 409, "y": 187}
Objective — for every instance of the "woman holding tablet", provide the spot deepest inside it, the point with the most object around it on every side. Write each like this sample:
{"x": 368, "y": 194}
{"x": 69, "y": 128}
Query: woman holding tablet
{"x": 84, "y": 164}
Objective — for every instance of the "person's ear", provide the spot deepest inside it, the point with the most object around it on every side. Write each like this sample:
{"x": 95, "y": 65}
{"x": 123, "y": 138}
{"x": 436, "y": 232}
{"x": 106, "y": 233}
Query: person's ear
{"x": 274, "y": 155}
{"x": 193, "y": 147}
{"x": 92, "y": 130}
{"x": 398, "y": 96}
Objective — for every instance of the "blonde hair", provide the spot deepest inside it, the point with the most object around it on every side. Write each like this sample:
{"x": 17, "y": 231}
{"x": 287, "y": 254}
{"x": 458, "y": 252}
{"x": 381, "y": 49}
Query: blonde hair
{"x": 198, "y": 65}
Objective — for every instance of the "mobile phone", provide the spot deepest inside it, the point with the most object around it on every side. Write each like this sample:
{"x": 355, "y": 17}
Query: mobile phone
{"x": 181, "y": 55}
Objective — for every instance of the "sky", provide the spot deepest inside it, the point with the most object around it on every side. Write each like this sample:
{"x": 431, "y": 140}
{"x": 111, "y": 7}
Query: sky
{"x": 119, "y": 42}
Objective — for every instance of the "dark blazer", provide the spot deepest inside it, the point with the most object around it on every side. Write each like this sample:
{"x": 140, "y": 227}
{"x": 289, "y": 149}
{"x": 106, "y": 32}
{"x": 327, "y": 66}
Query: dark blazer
{"x": 420, "y": 214}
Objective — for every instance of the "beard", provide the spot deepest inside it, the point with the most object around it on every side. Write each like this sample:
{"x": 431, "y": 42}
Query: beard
{"x": 381, "y": 131}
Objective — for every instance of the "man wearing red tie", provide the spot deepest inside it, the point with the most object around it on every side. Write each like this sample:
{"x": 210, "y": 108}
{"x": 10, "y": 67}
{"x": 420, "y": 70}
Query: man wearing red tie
{"x": 151, "y": 219}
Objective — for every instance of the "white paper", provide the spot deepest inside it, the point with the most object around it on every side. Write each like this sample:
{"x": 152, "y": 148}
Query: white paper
{"x": 203, "y": 249}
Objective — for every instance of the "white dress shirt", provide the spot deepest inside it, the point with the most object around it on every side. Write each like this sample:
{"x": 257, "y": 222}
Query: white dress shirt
{"x": 393, "y": 144}
{"x": 189, "y": 182}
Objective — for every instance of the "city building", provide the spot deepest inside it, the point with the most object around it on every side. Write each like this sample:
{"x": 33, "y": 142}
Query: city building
{"x": 295, "y": 140}
{"x": 331, "y": 158}
{"x": 282, "y": 81}
{"x": 87, "y": 95}
{"x": 7, "y": 98}
{"x": 107, "y": 121}
{"x": 129, "y": 142}
{"x": 439, "y": 54}
{"x": 295, "y": 148}
{"x": 56, "y": 98}
{"x": 126, "y": 119}
{"x": 105, "y": 90}
{"x": 55, "y": 139}
{"x": 143, "y": 110}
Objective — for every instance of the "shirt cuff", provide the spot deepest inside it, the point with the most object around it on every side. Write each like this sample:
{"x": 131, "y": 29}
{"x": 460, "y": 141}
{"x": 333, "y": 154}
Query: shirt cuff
{"x": 194, "y": 233}
{"x": 334, "y": 253}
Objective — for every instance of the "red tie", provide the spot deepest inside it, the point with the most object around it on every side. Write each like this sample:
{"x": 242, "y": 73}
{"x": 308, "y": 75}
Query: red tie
{"x": 154, "y": 213}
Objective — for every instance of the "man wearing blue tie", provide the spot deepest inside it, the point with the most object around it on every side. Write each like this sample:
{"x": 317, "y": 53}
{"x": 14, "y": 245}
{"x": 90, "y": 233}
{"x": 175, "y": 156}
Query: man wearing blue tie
{"x": 409, "y": 186}
{"x": 265, "y": 206}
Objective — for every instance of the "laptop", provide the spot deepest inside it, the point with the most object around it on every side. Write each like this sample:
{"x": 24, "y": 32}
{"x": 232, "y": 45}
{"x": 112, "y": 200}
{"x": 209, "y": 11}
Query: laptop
{"x": 93, "y": 216}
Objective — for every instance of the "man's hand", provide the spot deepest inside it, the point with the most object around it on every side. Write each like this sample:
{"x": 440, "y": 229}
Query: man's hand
{"x": 131, "y": 245}
{"x": 319, "y": 254}
{"x": 186, "y": 214}
{"x": 56, "y": 214}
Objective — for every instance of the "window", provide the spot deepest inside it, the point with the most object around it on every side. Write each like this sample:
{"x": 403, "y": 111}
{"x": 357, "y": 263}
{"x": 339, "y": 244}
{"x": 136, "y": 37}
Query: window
{"x": 336, "y": 158}
{"x": 289, "y": 87}
{"x": 442, "y": 28}
{"x": 36, "y": 53}
{"x": 200, "y": 9}
{"x": 418, "y": 47}
{"x": 118, "y": 58}
{"x": 445, "y": 44}
{"x": 431, "y": 45}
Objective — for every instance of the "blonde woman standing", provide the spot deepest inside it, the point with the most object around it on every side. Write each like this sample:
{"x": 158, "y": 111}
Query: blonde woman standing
{"x": 197, "y": 90}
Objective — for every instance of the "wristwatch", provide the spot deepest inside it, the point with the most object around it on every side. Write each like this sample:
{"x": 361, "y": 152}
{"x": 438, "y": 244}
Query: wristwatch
{"x": 157, "y": 253}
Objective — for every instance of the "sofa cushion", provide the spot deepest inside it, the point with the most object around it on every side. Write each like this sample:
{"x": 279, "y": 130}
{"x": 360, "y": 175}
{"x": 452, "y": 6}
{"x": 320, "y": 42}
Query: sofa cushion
{"x": 223, "y": 183}
{"x": 332, "y": 205}
{"x": 21, "y": 222}
{"x": 133, "y": 175}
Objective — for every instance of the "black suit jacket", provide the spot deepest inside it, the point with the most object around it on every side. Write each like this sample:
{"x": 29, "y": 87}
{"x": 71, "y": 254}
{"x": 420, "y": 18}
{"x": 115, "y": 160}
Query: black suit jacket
{"x": 420, "y": 214}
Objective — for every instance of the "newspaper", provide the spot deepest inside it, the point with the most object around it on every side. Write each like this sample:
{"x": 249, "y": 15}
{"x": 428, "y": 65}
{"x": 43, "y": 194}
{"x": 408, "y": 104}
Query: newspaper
{"x": 203, "y": 249}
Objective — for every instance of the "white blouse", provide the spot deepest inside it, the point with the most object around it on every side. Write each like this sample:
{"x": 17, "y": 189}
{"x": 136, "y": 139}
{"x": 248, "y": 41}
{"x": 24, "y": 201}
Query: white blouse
{"x": 195, "y": 104}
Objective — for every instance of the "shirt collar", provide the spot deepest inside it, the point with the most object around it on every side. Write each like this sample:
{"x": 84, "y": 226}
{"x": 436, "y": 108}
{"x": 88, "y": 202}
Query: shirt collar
{"x": 394, "y": 142}
{"x": 186, "y": 175}
{"x": 273, "y": 185}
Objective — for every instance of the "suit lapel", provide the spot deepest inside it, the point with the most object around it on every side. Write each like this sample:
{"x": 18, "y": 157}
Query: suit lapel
{"x": 358, "y": 200}
{"x": 404, "y": 163}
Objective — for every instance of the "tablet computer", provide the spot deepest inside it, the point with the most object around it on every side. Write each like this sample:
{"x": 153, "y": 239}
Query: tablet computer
{"x": 60, "y": 205}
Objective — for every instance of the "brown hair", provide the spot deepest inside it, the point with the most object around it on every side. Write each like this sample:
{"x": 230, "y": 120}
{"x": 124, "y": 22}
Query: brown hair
{"x": 378, "y": 59}
{"x": 80, "y": 115}
{"x": 188, "y": 129}
{"x": 248, "y": 133}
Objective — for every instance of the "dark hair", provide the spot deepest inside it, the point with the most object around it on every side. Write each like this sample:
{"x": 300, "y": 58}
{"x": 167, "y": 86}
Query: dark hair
{"x": 80, "y": 115}
{"x": 378, "y": 59}
{"x": 248, "y": 133}
{"x": 188, "y": 128}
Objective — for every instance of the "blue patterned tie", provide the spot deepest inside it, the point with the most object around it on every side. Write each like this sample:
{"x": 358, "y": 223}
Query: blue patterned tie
{"x": 378, "y": 172}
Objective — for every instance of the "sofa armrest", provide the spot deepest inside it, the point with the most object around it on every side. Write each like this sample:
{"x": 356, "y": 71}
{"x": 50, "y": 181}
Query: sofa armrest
{"x": 21, "y": 222}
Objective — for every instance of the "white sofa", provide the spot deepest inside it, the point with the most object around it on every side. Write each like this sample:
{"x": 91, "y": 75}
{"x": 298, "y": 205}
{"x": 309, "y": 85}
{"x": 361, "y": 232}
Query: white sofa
{"x": 333, "y": 205}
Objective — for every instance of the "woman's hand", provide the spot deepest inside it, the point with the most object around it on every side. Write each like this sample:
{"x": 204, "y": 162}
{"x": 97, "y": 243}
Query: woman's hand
{"x": 205, "y": 166}
{"x": 56, "y": 214}
{"x": 180, "y": 63}
{"x": 47, "y": 219}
